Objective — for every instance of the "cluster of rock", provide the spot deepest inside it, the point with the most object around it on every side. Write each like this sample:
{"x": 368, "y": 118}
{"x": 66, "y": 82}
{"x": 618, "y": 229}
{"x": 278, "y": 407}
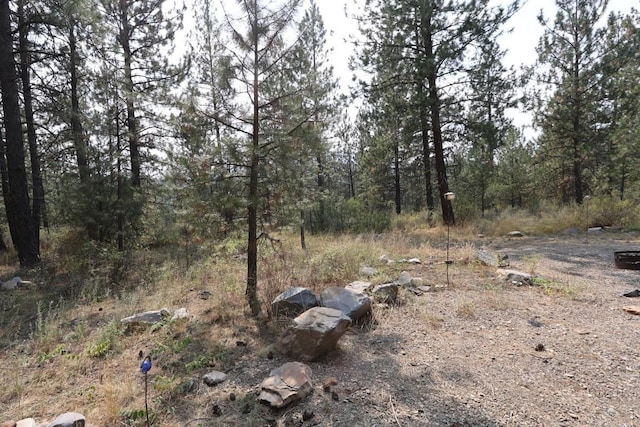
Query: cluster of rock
{"x": 317, "y": 322}
{"x": 68, "y": 419}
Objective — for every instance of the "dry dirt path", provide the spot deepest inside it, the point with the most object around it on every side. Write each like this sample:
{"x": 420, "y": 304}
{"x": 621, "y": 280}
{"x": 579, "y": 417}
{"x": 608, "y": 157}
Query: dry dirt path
{"x": 482, "y": 353}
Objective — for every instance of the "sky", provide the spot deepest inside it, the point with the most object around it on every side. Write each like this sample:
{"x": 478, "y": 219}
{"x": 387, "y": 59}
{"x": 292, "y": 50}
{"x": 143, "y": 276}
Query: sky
{"x": 520, "y": 43}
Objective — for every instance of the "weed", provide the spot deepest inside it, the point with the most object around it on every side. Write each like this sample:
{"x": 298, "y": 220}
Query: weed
{"x": 107, "y": 341}
{"x": 137, "y": 417}
{"x": 46, "y": 357}
{"x": 553, "y": 288}
{"x": 465, "y": 310}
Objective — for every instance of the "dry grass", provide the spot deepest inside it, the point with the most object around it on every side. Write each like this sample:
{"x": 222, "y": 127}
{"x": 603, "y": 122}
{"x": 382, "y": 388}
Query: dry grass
{"x": 63, "y": 349}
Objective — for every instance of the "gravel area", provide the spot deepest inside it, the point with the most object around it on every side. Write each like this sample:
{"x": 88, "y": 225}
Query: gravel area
{"x": 484, "y": 353}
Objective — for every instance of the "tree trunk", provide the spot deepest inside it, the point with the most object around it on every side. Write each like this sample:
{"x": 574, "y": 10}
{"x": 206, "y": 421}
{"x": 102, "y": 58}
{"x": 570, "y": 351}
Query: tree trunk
{"x": 37, "y": 209}
{"x": 303, "y": 243}
{"x": 76, "y": 124}
{"x": 434, "y": 103}
{"x": 396, "y": 165}
{"x": 16, "y": 187}
{"x": 251, "y": 291}
{"x": 132, "y": 124}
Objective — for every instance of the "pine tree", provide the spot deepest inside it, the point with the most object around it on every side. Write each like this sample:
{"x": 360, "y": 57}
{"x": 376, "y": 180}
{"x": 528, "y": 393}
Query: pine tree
{"x": 313, "y": 108}
{"x": 569, "y": 51}
{"x": 416, "y": 44}
{"x": 491, "y": 92}
{"x": 259, "y": 52}
{"x": 15, "y": 187}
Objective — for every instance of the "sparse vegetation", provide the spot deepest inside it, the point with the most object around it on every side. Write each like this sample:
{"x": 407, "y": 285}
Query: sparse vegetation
{"x": 80, "y": 335}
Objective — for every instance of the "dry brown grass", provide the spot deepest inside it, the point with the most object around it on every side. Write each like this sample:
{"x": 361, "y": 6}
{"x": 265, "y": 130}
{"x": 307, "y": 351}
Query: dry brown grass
{"x": 64, "y": 350}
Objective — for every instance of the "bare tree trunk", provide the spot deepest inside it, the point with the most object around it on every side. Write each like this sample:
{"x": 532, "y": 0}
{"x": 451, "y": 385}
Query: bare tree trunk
{"x": 76, "y": 124}
{"x": 38, "y": 202}
{"x": 15, "y": 187}
{"x": 251, "y": 291}
{"x": 434, "y": 104}
{"x": 132, "y": 123}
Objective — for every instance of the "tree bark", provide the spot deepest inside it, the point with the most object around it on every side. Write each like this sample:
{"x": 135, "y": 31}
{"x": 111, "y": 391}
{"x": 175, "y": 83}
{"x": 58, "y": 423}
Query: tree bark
{"x": 251, "y": 291}
{"x": 76, "y": 124}
{"x": 38, "y": 203}
{"x": 132, "y": 123}
{"x": 15, "y": 188}
{"x": 434, "y": 104}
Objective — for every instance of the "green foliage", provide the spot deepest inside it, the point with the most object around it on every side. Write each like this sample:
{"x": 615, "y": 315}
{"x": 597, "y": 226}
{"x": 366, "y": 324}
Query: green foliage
{"x": 211, "y": 358}
{"x": 137, "y": 417}
{"x": 59, "y": 350}
{"x": 107, "y": 341}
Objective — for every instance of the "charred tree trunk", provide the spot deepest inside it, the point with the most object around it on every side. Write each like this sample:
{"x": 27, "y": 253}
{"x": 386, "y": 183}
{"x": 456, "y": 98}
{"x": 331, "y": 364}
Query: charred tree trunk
{"x": 441, "y": 169}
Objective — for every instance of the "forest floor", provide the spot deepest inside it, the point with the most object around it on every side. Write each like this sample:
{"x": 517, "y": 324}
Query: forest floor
{"x": 485, "y": 353}
{"x": 475, "y": 352}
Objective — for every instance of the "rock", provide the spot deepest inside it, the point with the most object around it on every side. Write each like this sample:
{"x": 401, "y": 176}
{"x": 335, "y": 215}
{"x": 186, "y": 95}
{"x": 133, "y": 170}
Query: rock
{"x": 353, "y": 304}
{"x": 386, "y": 293}
{"x": 404, "y": 279}
{"x": 204, "y": 294}
{"x": 69, "y": 419}
{"x": 491, "y": 259}
{"x": 214, "y": 378}
{"x": 289, "y": 383}
{"x": 632, "y": 309}
{"x": 147, "y": 317}
{"x": 8, "y": 424}
{"x": 27, "y": 422}
{"x": 595, "y": 230}
{"x": 294, "y": 301}
{"x": 368, "y": 271}
{"x": 417, "y": 281}
{"x": 385, "y": 259}
{"x": 632, "y": 294}
{"x": 358, "y": 286}
{"x": 515, "y": 234}
{"x": 414, "y": 261}
{"x": 180, "y": 313}
{"x": 313, "y": 334}
{"x": 515, "y": 277}
{"x": 419, "y": 290}
{"x": 12, "y": 283}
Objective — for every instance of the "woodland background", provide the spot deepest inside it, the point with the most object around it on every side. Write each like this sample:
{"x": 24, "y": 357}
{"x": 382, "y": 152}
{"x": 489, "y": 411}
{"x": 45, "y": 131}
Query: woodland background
{"x": 123, "y": 130}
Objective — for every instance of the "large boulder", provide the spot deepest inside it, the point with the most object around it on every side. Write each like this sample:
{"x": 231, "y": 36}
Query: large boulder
{"x": 353, "y": 304}
{"x": 294, "y": 301}
{"x": 313, "y": 334}
{"x": 288, "y": 383}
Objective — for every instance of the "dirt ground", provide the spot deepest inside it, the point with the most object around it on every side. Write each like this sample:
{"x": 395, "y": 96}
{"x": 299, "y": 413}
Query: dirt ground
{"x": 475, "y": 352}
{"x": 484, "y": 353}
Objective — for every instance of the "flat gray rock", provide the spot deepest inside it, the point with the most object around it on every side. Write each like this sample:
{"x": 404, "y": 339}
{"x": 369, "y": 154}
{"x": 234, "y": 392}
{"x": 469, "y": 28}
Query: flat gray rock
{"x": 154, "y": 316}
{"x": 69, "y": 419}
{"x": 214, "y": 378}
{"x": 353, "y": 304}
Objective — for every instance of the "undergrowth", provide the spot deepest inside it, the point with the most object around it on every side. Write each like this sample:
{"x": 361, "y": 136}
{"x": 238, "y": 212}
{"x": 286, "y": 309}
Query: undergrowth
{"x": 65, "y": 327}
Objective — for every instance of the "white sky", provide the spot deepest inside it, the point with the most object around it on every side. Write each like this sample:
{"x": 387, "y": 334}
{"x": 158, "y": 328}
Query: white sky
{"x": 520, "y": 43}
